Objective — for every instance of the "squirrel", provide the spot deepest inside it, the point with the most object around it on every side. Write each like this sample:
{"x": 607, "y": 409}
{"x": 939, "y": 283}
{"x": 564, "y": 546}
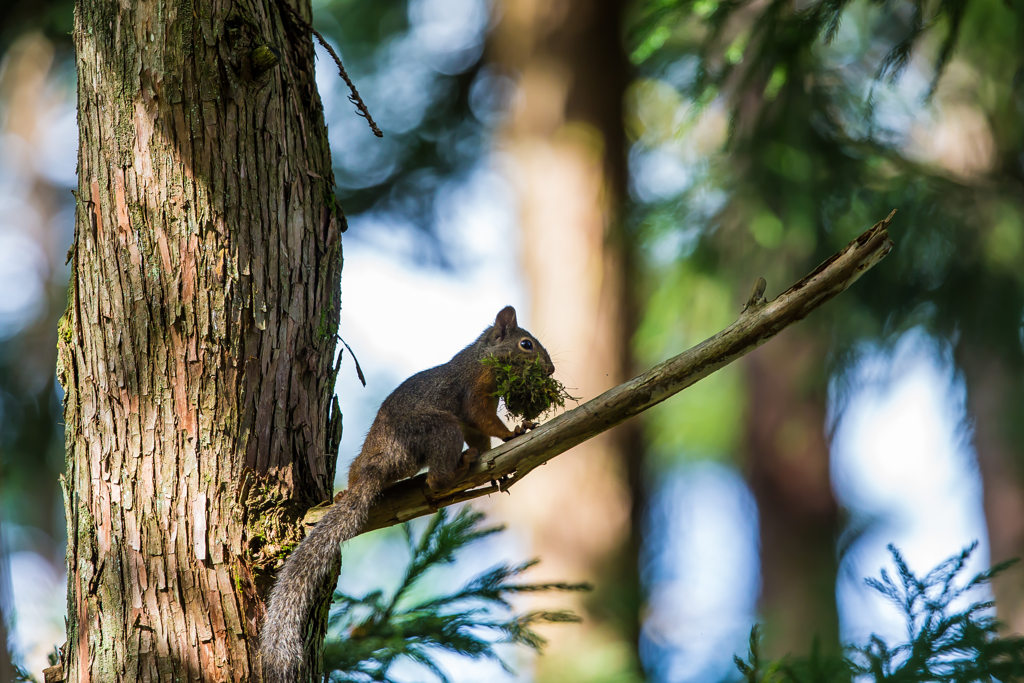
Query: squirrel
{"x": 423, "y": 422}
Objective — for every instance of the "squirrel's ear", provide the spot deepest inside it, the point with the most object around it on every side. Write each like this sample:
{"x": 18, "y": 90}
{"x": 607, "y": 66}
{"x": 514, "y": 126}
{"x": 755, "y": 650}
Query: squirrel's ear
{"x": 505, "y": 321}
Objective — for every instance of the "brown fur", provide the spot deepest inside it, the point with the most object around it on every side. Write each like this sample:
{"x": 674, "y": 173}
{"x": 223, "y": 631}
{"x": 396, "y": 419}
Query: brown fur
{"x": 424, "y": 422}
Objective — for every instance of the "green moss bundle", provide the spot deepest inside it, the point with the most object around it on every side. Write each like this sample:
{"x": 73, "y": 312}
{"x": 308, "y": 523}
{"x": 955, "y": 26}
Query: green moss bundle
{"x": 526, "y": 388}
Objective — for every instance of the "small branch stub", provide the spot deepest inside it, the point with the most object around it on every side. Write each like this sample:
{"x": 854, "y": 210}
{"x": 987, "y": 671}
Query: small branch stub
{"x": 756, "y": 297}
{"x": 54, "y": 674}
{"x": 263, "y": 59}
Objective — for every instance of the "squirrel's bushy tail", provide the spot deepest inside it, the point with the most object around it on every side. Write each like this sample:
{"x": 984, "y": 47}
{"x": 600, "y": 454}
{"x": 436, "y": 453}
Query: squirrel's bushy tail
{"x": 300, "y": 580}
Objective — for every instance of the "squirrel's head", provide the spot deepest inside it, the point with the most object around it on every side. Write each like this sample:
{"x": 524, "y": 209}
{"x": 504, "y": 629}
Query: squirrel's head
{"x": 513, "y": 342}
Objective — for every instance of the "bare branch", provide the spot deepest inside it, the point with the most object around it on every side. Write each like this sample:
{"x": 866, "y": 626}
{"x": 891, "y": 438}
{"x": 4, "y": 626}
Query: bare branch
{"x": 355, "y": 97}
{"x": 501, "y": 467}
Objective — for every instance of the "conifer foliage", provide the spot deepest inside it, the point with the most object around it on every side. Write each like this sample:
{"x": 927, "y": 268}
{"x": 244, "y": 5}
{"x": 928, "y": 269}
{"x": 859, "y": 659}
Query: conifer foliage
{"x": 950, "y": 639}
{"x": 383, "y": 629}
{"x": 779, "y": 34}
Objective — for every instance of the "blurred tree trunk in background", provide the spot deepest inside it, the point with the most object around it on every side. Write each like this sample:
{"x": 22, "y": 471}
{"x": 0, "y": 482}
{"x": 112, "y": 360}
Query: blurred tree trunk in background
{"x": 566, "y": 139}
{"x": 989, "y": 401}
{"x": 197, "y": 349}
{"x": 6, "y": 667}
{"x": 27, "y": 377}
{"x": 788, "y": 469}
{"x": 31, "y": 101}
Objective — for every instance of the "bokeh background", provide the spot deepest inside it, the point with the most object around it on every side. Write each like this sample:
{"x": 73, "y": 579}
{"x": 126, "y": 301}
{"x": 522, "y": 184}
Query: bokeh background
{"x": 621, "y": 172}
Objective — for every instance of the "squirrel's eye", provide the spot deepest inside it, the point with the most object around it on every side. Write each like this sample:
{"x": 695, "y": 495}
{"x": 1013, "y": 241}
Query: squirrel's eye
{"x": 526, "y": 344}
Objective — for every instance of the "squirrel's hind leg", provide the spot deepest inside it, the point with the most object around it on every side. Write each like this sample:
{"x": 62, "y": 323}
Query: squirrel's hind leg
{"x": 476, "y": 439}
{"x": 442, "y": 447}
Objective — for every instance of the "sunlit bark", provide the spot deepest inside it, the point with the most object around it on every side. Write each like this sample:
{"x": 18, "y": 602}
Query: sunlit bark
{"x": 197, "y": 349}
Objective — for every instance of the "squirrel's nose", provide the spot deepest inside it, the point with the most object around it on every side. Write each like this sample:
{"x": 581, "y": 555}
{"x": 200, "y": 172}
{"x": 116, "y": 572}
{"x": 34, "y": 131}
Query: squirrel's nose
{"x": 550, "y": 368}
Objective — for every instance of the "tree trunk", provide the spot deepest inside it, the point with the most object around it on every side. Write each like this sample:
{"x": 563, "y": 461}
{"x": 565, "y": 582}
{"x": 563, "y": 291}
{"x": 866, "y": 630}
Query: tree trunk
{"x": 568, "y": 144}
{"x": 6, "y": 666}
{"x": 788, "y": 469}
{"x": 26, "y": 368}
{"x": 197, "y": 350}
{"x": 991, "y": 389}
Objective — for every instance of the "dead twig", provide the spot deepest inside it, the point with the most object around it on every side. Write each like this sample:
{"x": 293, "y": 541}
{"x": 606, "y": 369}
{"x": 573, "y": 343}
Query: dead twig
{"x": 354, "y": 98}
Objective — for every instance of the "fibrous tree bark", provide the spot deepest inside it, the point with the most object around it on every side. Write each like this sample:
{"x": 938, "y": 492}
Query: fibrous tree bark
{"x": 197, "y": 351}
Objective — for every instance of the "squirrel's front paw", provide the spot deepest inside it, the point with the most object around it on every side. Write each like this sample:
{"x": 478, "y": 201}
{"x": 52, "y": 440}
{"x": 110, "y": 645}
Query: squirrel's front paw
{"x": 522, "y": 429}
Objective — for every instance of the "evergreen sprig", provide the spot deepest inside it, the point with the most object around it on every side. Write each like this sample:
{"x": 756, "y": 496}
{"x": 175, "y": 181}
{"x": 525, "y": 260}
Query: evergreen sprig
{"x": 817, "y": 667}
{"x": 21, "y": 675}
{"x": 945, "y": 644}
{"x": 469, "y": 621}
